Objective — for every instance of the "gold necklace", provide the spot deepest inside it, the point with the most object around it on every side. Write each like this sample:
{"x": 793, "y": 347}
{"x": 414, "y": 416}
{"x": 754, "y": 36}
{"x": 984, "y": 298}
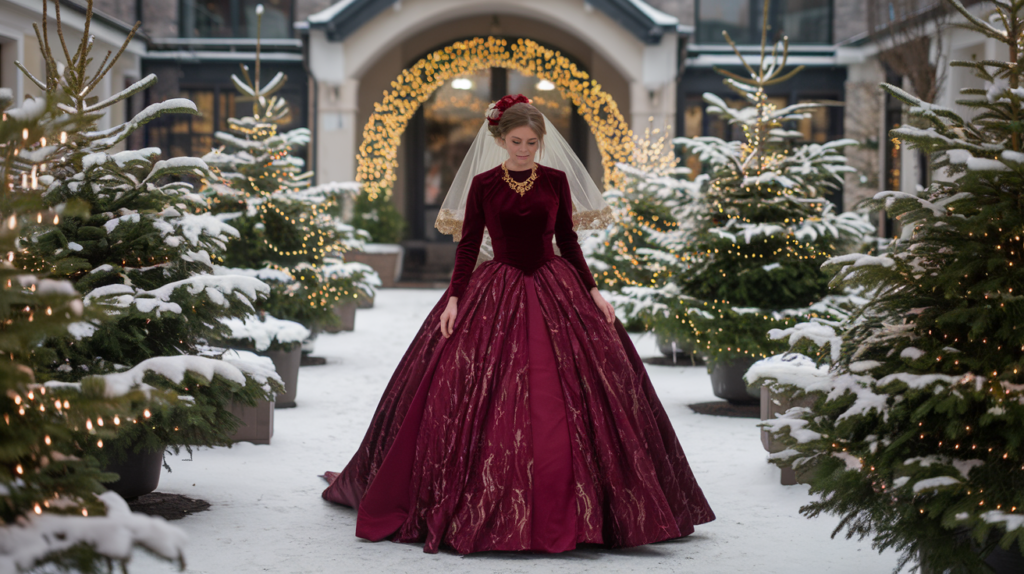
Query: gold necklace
{"x": 520, "y": 187}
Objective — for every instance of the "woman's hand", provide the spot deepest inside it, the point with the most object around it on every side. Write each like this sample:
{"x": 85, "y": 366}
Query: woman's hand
{"x": 448, "y": 317}
{"x": 604, "y": 306}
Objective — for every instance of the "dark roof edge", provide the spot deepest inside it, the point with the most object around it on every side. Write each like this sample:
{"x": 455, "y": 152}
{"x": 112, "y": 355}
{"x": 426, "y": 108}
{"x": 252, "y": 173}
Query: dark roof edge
{"x": 358, "y": 12}
{"x": 106, "y": 19}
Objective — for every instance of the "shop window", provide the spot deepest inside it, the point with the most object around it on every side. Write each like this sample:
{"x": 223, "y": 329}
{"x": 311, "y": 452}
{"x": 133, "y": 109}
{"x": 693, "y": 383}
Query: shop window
{"x": 803, "y": 21}
{"x": 235, "y": 18}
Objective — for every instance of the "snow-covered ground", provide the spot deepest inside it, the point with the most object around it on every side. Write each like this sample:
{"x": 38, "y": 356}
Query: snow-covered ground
{"x": 267, "y": 514}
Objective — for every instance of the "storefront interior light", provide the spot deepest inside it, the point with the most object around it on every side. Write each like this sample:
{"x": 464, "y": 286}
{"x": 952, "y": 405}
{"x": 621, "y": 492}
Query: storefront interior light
{"x": 462, "y": 84}
{"x": 545, "y": 85}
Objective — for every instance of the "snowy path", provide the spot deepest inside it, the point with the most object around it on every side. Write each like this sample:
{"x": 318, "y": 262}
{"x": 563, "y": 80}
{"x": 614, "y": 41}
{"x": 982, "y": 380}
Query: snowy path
{"x": 267, "y": 514}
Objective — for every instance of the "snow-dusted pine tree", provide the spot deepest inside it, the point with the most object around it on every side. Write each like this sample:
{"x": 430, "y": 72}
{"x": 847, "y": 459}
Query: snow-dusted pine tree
{"x": 142, "y": 255}
{"x": 631, "y": 259}
{"x": 650, "y": 189}
{"x": 752, "y": 246}
{"x": 283, "y": 224}
{"x": 54, "y": 515}
{"x": 916, "y": 437}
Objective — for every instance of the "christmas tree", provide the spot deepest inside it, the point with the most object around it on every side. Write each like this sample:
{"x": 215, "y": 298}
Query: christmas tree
{"x": 142, "y": 258}
{"x": 283, "y": 224}
{"x": 915, "y": 436}
{"x": 379, "y": 218}
{"x": 746, "y": 254}
{"x": 651, "y": 186}
{"x": 55, "y": 515}
{"x": 629, "y": 259}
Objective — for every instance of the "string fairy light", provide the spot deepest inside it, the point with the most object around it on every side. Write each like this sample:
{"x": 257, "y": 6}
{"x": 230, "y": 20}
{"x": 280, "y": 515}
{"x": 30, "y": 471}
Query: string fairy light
{"x": 377, "y": 159}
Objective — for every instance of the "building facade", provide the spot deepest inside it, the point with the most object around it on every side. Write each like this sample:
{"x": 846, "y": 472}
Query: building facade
{"x": 18, "y": 43}
{"x": 653, "y": 59}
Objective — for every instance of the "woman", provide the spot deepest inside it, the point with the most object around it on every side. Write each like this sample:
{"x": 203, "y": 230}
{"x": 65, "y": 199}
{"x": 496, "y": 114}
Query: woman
{"x": 521, "y": 417}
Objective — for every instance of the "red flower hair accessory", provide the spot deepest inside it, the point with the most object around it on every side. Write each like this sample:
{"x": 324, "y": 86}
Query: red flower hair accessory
{"x": 495, "y": 110}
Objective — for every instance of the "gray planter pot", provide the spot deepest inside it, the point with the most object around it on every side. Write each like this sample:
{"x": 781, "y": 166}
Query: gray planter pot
{"x": 1009, "y": 561}
{"x": 286, "y": 363}
{"x": 139, "y": 473}
{"x": 364, "y": 301}
{"x": 347, "y": 315}
{"x": 681, "y": 347}
{"x": 309, "y": 345}
{"x": 257, "y": 422}
{"x": 727, "y": 382}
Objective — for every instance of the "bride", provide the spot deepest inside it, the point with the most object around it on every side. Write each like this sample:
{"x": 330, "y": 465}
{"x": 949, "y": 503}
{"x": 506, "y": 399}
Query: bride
{"x": 521, "y": 416}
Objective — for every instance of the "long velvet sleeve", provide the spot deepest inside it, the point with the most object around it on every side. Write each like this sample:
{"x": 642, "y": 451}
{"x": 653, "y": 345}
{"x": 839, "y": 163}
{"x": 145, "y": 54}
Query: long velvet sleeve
{"x": 565, "y": 236}
{"x": 469, "y": 245}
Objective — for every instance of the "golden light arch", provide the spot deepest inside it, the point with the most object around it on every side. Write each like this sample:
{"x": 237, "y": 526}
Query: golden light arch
{"x": 377, "y": 159}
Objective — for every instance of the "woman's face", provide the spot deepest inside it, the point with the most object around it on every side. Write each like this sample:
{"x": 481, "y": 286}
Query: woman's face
{"x": 522, "y": 145}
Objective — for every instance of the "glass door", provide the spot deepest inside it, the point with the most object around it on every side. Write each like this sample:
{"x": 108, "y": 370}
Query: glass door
{"x": 451, "y": 119}
{"x": 440, "y": 134}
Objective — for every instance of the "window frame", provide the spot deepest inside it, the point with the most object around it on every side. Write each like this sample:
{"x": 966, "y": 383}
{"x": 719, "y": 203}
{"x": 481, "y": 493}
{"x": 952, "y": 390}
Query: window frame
{"x": 235, "y": 15}
{"x": 775, "y": 13}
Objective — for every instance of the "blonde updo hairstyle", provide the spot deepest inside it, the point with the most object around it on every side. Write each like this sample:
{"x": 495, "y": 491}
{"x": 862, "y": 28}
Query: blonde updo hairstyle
{"x": 518, "y": 115}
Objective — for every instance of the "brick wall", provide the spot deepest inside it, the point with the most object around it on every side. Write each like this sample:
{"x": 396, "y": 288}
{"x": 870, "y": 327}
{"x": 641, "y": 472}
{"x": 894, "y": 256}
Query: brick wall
{"x": 849, "y": 19}
{"x": 123, "y": 10}
{"x": 159, "y": 18}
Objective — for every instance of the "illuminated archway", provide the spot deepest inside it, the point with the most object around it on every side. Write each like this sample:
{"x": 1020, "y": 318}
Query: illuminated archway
{"x": 377, "y": 159}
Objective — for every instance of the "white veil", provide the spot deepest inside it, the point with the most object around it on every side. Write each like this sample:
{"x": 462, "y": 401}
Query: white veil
{"x": 589, "y": 210}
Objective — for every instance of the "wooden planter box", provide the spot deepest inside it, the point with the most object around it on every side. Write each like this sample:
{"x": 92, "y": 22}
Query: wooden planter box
{"x": 385, "y": 258}
{"x": 727, "y": 382}
{"x": 347, "y": 315}
{"x": 773, "y": 405}
{"x": 286, "y": 363}
{"x": 257, "y": 422}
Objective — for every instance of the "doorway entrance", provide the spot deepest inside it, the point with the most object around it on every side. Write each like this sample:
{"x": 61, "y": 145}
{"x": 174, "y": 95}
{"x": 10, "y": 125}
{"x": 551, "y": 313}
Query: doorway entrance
{"x": 437, "y": 140}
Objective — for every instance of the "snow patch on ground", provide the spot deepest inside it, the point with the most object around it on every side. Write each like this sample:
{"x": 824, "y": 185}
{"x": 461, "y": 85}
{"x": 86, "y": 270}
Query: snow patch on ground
{"x": 267, "y": 514}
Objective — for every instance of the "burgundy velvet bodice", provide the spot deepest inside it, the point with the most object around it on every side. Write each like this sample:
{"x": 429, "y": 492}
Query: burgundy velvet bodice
{"x": 521, "y": 227}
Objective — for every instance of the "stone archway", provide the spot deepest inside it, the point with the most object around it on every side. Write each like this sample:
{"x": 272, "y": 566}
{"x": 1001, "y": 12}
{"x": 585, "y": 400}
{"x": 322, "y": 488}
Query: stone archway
{"x": 377, "y": 157}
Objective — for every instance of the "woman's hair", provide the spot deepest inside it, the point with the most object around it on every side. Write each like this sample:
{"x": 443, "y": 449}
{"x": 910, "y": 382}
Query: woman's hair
{"x": 519, "y": 115}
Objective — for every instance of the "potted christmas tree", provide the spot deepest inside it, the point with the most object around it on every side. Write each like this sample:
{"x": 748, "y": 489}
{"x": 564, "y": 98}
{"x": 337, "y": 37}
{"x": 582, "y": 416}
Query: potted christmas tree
{"x": 378, "y": 218}
{"x": 277, "y": 339}
{"x": 754, "y": 244}
{"x": 283, "y": 224}
{"x": 914, "y": 437}
{"x": 625, "y": 257}
{"x": 54, "y": 514}
{"x": 142, "y": 257}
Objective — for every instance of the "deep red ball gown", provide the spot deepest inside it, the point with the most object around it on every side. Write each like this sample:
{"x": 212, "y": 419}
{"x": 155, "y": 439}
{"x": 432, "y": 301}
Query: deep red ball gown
{"x": 535, "y": 426}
